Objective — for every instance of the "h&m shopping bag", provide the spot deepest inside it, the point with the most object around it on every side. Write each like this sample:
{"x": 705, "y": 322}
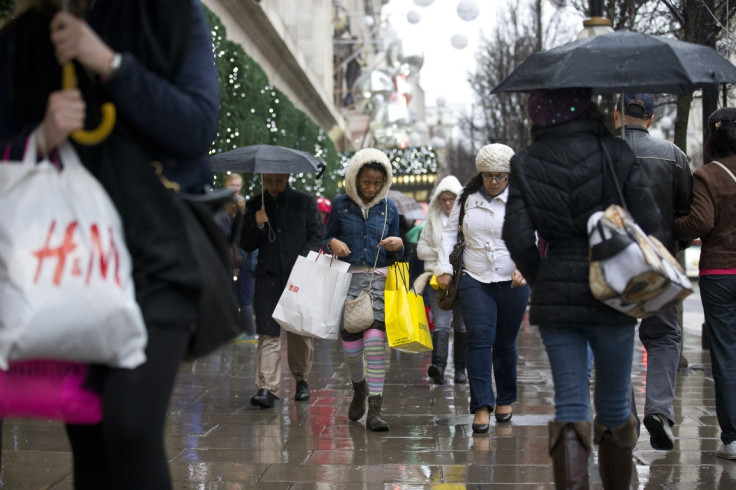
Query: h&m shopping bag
{"x": 407, "y": 328}
{"x": 312, "y": 301}
{"x": 66, "y": 289}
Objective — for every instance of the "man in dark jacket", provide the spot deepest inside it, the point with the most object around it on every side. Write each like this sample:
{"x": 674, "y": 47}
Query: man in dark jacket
{"x": 287, "y": 226}
{"x": 668, "y": 171}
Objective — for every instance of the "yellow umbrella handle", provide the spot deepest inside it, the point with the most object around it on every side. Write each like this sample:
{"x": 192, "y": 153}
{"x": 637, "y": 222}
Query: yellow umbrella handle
{"x": 93, "y": 136}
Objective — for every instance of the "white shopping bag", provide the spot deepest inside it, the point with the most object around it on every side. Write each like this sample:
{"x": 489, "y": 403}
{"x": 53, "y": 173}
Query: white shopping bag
{"x": 312, "y": 301}
{"x": 66, "y": 289}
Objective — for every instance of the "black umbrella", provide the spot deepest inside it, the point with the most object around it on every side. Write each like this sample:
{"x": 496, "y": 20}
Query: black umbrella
{"x": 266, "y": 159}
{"x": 622, "y": 61}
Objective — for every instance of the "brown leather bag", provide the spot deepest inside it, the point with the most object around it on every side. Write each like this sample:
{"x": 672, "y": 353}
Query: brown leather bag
{"x": 446, "y": 297}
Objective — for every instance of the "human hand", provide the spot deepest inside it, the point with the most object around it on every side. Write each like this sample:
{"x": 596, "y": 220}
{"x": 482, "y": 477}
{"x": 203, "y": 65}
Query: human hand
{"x": 517, "y": 279}
{"x": 339, "y": 248}
{"x": 444, "y": 280}
{"x": 64, "y": 114}
{"x": 74, "y": 39}
{"x": 261, "y": 216}
{"x": 392, "y": 243}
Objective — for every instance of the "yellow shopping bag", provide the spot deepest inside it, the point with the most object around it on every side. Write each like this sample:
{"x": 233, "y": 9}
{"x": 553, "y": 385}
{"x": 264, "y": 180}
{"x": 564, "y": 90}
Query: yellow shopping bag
{"x": 407, "y": 328}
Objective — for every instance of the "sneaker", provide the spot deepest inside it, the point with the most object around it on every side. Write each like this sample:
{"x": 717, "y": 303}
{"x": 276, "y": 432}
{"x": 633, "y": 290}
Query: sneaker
{"x": 660, "y": 432}
{"x": 246, "y": 339}
{"x": 727, "y": 451}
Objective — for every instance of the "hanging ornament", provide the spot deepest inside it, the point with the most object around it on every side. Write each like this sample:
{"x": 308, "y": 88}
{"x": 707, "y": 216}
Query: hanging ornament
{"x": 423, "y": 3}
{"x": 459, "y": 41}
{"x": 468, "y": 10}
{"x": 413, "y": 17}
{"x": 405, "y": 57}
{"x": 371, "y": 89}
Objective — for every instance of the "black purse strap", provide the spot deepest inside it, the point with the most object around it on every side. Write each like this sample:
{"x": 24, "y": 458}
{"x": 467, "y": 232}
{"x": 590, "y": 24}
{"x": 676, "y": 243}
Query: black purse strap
{"x": 608, "y": 164}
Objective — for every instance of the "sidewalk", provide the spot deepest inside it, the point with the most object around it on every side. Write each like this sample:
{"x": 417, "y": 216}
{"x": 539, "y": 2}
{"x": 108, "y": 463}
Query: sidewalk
{"x": 216, "y": 440}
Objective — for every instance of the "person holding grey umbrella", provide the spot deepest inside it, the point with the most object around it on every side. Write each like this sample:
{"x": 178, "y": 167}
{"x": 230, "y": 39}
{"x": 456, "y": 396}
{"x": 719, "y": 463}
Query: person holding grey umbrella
{"x": 556, "y": 184}
{"x": 281, "y": 223}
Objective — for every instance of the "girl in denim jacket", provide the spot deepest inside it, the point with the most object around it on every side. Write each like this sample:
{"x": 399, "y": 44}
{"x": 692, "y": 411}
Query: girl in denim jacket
{"x": 364, "y": 223}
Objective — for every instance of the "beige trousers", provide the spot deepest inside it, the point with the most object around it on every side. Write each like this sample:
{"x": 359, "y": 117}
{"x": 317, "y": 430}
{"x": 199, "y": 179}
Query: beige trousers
{"x": 300, "y": 354}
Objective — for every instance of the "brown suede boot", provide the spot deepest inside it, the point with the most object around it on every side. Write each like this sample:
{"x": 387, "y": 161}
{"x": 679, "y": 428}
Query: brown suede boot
{"x": 615, "y": 448}
{"x": 569, "y": 447}
{"x": 357, "y": 406}
{"x": 374, "y": 421}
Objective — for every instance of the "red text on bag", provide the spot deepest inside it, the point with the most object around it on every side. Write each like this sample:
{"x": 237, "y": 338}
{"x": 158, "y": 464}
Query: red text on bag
{"x": 107, "y": 258}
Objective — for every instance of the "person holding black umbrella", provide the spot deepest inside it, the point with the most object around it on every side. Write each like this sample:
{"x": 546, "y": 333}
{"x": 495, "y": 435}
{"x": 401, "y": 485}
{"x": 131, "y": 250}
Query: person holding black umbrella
{"x": 281, "y": 223}
{"x": 556, "y": 184}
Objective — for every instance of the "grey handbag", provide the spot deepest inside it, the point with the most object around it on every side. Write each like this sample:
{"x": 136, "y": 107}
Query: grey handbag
{"x": 357, "y": 314}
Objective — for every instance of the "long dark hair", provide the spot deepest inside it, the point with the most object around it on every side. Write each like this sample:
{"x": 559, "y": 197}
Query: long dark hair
{"x": 473, "y": 185}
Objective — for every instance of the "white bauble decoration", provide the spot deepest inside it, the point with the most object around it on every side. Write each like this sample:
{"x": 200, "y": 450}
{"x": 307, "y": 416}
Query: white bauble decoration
{"x": 368, "y": 21}
{"x": 413, "y": 17}
{"x": 468, "y": 10}
{"x": 421, "y": 128}
{"x": 459, "y": 41}
{"x": 405, "y": 57}
{"x": 423, "y": 3}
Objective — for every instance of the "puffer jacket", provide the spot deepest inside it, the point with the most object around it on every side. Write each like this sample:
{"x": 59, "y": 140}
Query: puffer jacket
{"x": 360, "y": 225}
{"x": 556, "y": 184}
{"x": 666, "y": 168}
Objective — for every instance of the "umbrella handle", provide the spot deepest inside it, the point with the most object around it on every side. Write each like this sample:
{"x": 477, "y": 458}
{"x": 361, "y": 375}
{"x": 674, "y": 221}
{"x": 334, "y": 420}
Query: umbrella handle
{"x": 322, "y": 169}
{"x": 93, "y": 136}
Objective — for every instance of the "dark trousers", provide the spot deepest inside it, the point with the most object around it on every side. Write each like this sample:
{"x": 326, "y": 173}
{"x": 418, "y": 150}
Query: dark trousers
{"x": 493, "y": 313}
{"x": 718, "y": 294}
{"x": 126, "y": 450}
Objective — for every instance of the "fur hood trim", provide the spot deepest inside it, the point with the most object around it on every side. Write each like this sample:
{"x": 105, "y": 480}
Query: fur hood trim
{"x": 361, "y": 157}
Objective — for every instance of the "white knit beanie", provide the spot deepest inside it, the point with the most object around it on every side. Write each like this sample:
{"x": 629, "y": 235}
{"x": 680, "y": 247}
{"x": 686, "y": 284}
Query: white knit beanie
{"x": 494, "y": 158}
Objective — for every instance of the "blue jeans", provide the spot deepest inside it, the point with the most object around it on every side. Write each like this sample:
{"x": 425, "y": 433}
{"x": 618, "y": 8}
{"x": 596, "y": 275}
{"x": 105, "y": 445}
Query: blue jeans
{"x": 718, "y": 294}
{"x": 492, "y": 314}
{"x": 613, "y": 349}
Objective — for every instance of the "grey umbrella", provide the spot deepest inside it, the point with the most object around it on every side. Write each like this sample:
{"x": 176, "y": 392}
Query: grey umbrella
{"x": 622, "y": 61}
{"x": 266, "y": 159}
{"x": 407, "y": 206}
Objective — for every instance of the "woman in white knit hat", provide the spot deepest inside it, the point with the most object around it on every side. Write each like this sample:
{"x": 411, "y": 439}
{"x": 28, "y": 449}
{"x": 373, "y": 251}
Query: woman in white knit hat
{"x": 492, "y": 293}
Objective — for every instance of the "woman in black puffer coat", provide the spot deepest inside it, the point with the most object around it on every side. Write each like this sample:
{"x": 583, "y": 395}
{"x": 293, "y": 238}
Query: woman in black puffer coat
{"x": 556, "y": 184}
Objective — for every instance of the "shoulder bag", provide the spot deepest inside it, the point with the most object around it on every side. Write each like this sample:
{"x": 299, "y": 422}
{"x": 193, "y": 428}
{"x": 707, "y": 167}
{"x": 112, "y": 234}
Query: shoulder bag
{"x": 630, "y": 271}
{"x": 357, "y": 313}
{"x": 446, "y": 297}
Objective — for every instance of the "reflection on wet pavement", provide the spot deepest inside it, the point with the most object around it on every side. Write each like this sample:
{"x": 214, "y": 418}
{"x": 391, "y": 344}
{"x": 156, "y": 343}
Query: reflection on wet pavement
{"x": 217, "y": 440}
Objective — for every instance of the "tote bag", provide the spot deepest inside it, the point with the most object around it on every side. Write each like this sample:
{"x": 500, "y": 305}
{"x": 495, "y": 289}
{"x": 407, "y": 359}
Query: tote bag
{"x": 630, "y": 271}
{"x": 407, "y": 328}
{"x": 312, "y": 301}
{"x": 66, "y": 290}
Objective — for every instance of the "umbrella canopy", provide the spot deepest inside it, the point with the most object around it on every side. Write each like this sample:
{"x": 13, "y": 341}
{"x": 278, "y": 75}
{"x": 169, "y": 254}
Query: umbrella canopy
{"x": 407, "y": 206}
{"x": 622, "y": 61}
{"x": 266, "y": 159}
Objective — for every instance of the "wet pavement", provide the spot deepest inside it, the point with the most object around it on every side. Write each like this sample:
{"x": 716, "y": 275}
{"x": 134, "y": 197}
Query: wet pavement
{"x": 217, "y": 440}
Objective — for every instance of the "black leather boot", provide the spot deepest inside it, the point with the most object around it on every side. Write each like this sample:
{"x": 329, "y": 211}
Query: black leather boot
{"x": 569, "y": 447}
{"x": 357, "y": 406}
{"x": 374, "y": 421}
{"x": 440, "y": 341}
{"x": 459, "y": 349}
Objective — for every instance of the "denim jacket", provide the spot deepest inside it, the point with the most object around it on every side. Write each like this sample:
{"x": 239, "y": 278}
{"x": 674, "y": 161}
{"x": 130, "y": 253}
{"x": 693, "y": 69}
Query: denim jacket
{"x": 346, "y": 223}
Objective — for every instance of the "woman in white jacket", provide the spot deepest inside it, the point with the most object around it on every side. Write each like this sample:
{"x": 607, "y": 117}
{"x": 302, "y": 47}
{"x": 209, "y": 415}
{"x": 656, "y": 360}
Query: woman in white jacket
{"x": 428, "y": 249}
{"x": 492, "y": 293}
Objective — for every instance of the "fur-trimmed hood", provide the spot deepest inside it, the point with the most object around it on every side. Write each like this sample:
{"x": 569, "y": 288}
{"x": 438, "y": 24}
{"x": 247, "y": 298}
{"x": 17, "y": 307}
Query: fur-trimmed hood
{"x": 361, "y": 157}
{"x": 449, "y": 183}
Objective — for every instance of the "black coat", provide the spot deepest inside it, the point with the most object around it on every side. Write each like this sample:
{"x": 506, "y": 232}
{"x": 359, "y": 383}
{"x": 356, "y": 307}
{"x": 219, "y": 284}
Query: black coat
{"x": 296, "y": 227}
{"x": 556, "y": 184}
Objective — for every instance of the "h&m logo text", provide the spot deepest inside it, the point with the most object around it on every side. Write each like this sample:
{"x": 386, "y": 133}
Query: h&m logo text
{"x": 67, "y": 259}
